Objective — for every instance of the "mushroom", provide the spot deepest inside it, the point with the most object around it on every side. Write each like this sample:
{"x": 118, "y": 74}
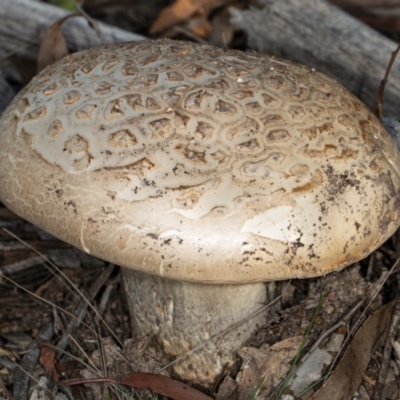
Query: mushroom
{"x": 203, "y": 173}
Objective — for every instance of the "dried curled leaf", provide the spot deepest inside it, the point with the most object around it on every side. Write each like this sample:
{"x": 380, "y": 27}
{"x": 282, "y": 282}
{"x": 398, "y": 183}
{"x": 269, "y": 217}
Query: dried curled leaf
{"x": 157, "y": 383}
{"x": 53, "y": 46}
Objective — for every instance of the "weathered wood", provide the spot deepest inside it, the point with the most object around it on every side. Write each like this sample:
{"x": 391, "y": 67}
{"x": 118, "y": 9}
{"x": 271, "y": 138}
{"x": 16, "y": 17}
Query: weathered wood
{"x": 312, "y": 32}
{"x": 7, "y": 92}
{"x": 23, "y": 23}
{"x": 319, "y": 34}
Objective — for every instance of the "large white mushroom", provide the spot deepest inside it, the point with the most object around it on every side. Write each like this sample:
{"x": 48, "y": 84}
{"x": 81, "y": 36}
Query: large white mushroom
{"x": 202, "y": 172}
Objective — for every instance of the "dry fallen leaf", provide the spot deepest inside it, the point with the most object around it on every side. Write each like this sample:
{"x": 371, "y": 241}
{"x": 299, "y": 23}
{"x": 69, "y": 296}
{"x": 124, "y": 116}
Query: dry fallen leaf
{"x": 280, "y": 356}
{"x": 349, "y": 373}
{"x": 157, "y": 383}
{"x": 47, "y": 361}
{"x": 181, "y": 10}
{"x": 53, "y": 46}
{"x": 263, "y": 368}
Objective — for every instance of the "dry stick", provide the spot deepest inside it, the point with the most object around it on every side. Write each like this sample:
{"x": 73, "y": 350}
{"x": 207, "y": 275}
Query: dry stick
{"x": 383, "y": 372}
{"x": 104, "y": 301}
{"x": 81, "y": 310}
{"x": 10, "y": 246}
{"x": 383, "y": 84}
{"x": 92, "y": 23}
{"x": 370, "y": 268}
{"x": 28, "y": 363}
{"x": 19, "y": 266}
{"x": 31, "y": 377}
{"x": 103, "y": 361}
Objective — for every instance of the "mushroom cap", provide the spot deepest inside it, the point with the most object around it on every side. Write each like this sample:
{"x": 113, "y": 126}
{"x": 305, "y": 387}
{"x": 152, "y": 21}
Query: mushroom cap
{"x": 195, "y": 163}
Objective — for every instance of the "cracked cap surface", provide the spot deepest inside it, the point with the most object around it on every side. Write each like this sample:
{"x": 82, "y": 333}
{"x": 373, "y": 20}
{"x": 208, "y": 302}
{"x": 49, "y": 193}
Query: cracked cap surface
{"x": 195, "y": 163}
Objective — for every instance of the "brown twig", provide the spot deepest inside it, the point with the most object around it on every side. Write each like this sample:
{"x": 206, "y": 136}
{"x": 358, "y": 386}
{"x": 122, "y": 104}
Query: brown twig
{"x": 383, "y": 84}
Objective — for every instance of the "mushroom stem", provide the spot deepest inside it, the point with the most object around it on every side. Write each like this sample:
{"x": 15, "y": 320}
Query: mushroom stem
{"x": 184, "y": 316}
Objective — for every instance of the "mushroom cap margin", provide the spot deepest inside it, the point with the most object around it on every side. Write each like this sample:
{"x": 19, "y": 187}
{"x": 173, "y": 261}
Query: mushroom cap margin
{"x": 310, "y": 184}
